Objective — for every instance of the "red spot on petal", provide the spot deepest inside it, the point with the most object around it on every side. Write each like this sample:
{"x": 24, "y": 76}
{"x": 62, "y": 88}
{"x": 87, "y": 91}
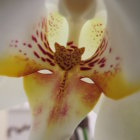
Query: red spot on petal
{"x": 110, "y": 50}
{"x": 117, "y": 58}
{"x": 102, "y": 61}
{"x": 24, "y": 44}
{"x": 111, "y": 66}
{"x": 37, "y": 32}
{"x": 29, "y": 46}
{"x": 93, "y": 63}
{"x": 101, "y": 66}
{"x": 34, "y": 39}
{"x": 16, "y": 41}
{"x": 70, "y": 43}
{"x": 85, "y": 68}
{"x": 41, "y": 36}
{"x": 36, "y": 54}
{"x": 43, "y": 59}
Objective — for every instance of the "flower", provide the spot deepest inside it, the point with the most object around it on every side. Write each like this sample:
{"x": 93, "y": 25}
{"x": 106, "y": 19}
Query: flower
{"x": 71, "y": 47}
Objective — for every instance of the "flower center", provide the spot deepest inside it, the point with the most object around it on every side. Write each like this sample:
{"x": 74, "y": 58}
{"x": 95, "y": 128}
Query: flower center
{"x": 67, "y": 58}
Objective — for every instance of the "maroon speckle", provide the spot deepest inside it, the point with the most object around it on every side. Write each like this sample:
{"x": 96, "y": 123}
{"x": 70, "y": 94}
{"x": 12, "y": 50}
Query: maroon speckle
{"x": 50, "y": 55}
{"x": 85, "y": 68}
{"x": 110, "y": 50}
{"x": 41, "y": 36}
{"x": 16, "y": 41}
{"x": 20, "y": 51}
{"x": 45, "y": 37}
{"x": 52, "y": 64}
{"x": 25, "y": 53}
{"x": 43, "y": 59}
{"x": 117, "y": 58}
{"x": 41, "y": 49}
{"x": 36, "y": 54}
{"x": 102, "y": 61}
{"x": 101, "y": 66}
{"x": 37, "y": 32}
{"x": 24, "y": 44}
{"x": 111, "y": 66}
{"x": 45, "y": 45}
{"x": 70, "y": 43}
{"x": 29, "y": 46}
{"x": 93, "y": 63}
{"x": 48, "y": 60}
{"x": 87, "y": 61}
{"x": 34, "y": 39}
{"x": 73, "y": 46}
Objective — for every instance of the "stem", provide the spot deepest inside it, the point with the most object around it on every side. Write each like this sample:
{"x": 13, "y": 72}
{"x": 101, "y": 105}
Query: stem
{"x": 85, "y": 134}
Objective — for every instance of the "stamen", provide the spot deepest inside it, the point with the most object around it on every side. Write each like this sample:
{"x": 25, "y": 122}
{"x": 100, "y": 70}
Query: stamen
{"x": 67, "y": 59}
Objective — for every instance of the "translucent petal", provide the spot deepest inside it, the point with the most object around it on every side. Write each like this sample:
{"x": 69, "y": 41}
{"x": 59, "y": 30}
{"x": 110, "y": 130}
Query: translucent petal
{"x": 111, "y": 67}
{"x": 58, "y": 100}
{"x": 119, "y": 119}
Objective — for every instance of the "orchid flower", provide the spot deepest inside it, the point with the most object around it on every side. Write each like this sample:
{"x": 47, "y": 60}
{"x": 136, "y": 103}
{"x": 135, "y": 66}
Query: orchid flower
{"x": 73, "y": 42}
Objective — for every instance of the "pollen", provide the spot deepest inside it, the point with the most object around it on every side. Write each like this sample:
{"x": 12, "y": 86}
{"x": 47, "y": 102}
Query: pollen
{"x": 67, "y": 58}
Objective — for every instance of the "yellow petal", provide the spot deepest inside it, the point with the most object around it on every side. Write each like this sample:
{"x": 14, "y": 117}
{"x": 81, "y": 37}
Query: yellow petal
{"x": 106, "y": 66}
{"x": 58, "y": 100}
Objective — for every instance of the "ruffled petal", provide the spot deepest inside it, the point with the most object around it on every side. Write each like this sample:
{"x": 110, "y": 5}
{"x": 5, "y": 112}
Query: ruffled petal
{"x": 111, "y": 67}
{"x": 58, "y": 100}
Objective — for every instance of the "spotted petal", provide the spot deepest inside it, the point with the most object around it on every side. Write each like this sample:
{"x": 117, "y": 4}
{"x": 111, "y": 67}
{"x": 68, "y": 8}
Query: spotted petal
{"x": 58, "y": 100}
{"x": 24, "y": 45}
{"x": 25, "y": 57}
{"x": 110, "y": 67}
